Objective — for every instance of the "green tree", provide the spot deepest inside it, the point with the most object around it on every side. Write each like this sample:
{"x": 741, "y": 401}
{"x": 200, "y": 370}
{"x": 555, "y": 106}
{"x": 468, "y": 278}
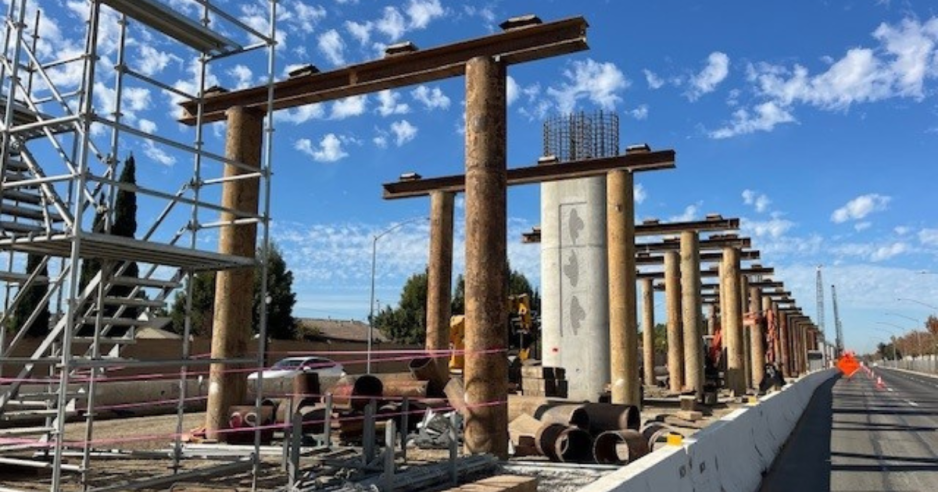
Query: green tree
{"x": 91, "y": 266}
{"x": 518, "y": 284}
{"x": 280, "y": 321}
{"x": 408, "y": 322}
{"x": 125, "y": 225}
{"x": 203, "y": 306}
{"x": 458, "y": 303}
{"x": 30, "y": 301}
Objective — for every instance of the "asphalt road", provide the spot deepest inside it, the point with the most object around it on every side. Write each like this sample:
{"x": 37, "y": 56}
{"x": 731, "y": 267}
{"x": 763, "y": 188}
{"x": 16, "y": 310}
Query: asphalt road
{"x": 857, "y": 437}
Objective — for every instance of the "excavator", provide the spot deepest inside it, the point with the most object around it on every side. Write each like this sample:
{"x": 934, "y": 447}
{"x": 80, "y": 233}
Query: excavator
{"x": 523, "y": 332}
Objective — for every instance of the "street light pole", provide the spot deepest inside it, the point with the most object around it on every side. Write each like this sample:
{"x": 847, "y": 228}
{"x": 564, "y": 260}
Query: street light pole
{"x": 371, "y": 304}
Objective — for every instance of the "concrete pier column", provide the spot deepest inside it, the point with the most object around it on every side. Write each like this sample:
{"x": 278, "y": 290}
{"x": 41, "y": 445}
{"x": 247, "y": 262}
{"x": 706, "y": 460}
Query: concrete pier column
{"x": 440, "y": 276}
{"x": 486, "y": 368}
{"x": 732, "y": 323}
{"x": 648, "y": 330}
{"x": 757, "y": 306}
{"x": 691, "y": 306}
{"x": 784, "y": 343}
{"x": 672, "y": 294}
{"x": 623, "y": 329}
{"x": 744, "y": 309}
{"x": 711, "y": 319}
{"x": 777, "y": 340}
{"x": 234, "y": 289}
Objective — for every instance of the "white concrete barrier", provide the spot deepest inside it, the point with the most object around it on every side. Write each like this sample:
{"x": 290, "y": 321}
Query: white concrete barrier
{"x": 730, "y": 455}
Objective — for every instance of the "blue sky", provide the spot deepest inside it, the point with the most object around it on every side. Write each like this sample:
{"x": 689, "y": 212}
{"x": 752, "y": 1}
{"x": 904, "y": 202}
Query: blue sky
{"x": 816, "y": 122}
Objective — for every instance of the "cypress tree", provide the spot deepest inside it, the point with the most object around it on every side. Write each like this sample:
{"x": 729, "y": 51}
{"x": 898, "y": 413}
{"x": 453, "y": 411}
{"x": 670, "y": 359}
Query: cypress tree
{"x": 30, "y": 301}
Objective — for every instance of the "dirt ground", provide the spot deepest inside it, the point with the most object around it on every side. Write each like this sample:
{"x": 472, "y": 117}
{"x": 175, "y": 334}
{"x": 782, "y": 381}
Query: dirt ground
{"x": 140, "y": 434}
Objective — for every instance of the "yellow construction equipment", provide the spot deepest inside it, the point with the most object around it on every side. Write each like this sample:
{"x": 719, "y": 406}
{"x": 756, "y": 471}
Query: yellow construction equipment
{"x": 522, "y": 332}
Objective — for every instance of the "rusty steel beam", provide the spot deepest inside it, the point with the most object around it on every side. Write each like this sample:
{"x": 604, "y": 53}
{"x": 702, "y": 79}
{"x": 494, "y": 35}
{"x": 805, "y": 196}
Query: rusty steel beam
{"x": 710, "y": 257}
{"x": 714, "y": 273}
{"x": 652, "y": 227}
{"x": 712, "y": 243}
{"x": 510, "y": 47}
{"x": 634, "y": 162}
{"x": 763, "y": 284}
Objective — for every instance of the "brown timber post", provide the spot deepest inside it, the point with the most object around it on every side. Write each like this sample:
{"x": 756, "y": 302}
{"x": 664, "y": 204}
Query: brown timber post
{"x": 672, "y": 294}
{"x": 648, "y": 330}
{"x": 234, "y": 289}
{"x": 690, "y": 302}
{"x": 440, "y": 277}
{"x": 757, "y": 336}
{"x": 486, "y": 368}
{"x": 744, "y": 309}
{"x": 623, "y": 329}
{"x": 732, "y": 323}
{"x": 784, "y": 343}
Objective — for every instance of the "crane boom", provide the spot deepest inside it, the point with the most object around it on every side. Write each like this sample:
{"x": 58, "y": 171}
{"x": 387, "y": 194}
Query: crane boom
{"x": 837, "y": 326}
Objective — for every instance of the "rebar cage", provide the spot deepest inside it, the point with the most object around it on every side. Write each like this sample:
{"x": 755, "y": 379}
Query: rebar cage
{"x": 582, "y": 135}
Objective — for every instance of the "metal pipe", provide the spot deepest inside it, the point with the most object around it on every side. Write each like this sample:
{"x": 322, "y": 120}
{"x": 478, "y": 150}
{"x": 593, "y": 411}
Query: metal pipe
{"x": 619, "y": 447}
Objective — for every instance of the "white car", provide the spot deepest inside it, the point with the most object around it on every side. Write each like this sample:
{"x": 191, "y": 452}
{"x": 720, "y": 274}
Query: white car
{"x": 291, "y": 366}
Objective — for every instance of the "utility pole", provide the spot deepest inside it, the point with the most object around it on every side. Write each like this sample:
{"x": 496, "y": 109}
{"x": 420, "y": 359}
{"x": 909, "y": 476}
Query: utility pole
{"x": 839, "y": 340}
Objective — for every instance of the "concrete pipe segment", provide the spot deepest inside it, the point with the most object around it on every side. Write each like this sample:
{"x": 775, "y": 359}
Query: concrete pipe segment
{"x": 564, "y": 444}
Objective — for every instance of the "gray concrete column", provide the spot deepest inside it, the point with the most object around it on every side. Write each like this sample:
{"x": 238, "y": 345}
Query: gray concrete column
{"x": 440, "y": 276}
{"x": 486, "y": 369}
{"x": 732, "y": 323}
{"x": 234, "y": 289}
{"x": 623, "y": 329}
{"x": 691, "y": 306}
{"x": 756, "y": 335}
{"x": 648, "y": 330}
{"x": 672, "y": 294}
{"x": 744, "y": 309}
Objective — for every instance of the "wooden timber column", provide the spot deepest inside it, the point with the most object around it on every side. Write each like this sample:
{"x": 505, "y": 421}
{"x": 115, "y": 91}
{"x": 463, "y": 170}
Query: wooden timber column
{"x": 712, "y": 318}
{"x": 648, "y": 330}
{"x": 440, "y": 277}
{"x": 234, "y": 289}
{"x": 757, "y": 336}
{"x": 486, "y": 368}
{"x": 672, "y": 294}
{"x": 691, "y": 305}
{"x": 623, "y": 329}
{"x": 776, "y": 338}
{"x": 784, "y": 330}
{"x": 744, "y": 309}
{"x": 732, "y": 322}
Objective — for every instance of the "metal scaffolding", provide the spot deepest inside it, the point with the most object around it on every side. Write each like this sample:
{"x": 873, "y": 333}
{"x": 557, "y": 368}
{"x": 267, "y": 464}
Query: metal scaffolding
{"x": 59, "y": 160}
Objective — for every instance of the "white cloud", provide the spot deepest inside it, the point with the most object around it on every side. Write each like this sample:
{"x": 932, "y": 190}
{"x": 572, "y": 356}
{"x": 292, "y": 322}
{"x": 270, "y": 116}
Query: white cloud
{"x": 773, "y": 228}
{"x": 328, "y": 150}
{"x": 306, "y": 17}
{"x": 430, "y": 98}
{"x": 301, "y": 114}
{"x": 902, "y": 230}
{"x": 654, "y": 82}
{"x": 862, "y": 226}
{"x": 150, "y": 149}
{"x": 705, "y": 82}
{"x": 888, "y": 251}
{"x": 389, "y": 103}
{"x": 639, "y": 113}
{"x": 758, "y": 200}
{"x": 511, "y": 90}
{"x": 242, "y": 75}
{"x": 640, "y": 194}
{"x": 905, "y": 58}
{"x": 360, "y": 31}
{"x": 151, "y": 61}
{"x": 860, "y": 207}
{"x": 422, "y": 12}
{"x": 332, "y": 46}
{"x": 928, "y": 237}
{"x": 350, "y": 106}
{"x": 403, "y": 132}
{"x": 391, "y": 24}
{"x": 690, "y": 213}
{"x": 767, "y": 115}
{"x": 588, "y": 79}
{"x": 381, "y": 140}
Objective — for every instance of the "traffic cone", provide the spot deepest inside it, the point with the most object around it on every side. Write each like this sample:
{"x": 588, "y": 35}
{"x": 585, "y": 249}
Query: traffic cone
{"x": 879, "y": 383}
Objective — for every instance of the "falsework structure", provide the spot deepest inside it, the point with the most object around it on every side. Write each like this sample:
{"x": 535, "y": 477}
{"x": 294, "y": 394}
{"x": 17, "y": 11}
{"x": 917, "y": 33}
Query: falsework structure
{"x": 60, "y": 155}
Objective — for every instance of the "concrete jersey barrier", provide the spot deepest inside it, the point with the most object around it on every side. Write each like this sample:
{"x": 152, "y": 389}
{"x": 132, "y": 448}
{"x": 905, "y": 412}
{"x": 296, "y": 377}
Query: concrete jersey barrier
{"x": 729, "y": 455}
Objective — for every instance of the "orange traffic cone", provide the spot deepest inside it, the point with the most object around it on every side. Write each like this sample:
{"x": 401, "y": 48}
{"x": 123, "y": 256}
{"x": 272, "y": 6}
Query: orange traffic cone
{"x": 879, "y": 383}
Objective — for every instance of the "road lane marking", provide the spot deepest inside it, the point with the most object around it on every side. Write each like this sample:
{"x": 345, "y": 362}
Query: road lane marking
{"x": 912, "y": 403}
